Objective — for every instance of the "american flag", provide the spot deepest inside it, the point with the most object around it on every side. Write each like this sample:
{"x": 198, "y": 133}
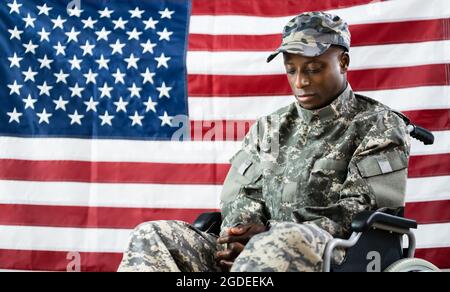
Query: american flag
{"x": 92, "y": 95}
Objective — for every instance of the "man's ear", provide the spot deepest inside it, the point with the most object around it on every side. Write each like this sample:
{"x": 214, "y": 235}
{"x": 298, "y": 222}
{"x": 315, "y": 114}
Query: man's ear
{"x": 344, "y": 62}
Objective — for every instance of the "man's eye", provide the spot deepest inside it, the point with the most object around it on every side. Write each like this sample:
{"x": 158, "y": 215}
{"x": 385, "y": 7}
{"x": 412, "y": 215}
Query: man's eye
{"x": 291, "y": 72}
{"x": 313, "y": 71}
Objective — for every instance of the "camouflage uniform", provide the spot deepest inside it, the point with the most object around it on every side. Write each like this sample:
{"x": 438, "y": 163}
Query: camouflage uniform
{"x": 304, "y": 173}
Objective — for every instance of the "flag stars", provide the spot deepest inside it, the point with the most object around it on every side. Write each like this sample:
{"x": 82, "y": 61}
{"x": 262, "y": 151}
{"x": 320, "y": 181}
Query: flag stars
{"x": 150, "y": 23}
{"x": 121, "y": 105}
{"x": 44, "y": 35}
{"x": 136, "y": 119}
{"x": 148, "y": 76}
{"x": 29, "y": 102}
{"x": 120, "y": 23}
{"x": 76, "y": 11}
{"x": 105, "y": 13}
{"x": 75, "y": 118}
{"x": 164, "y": 35}
{"x": 72, "y": 35}
{"x": 30, "y": 47}
{"x": 29, "y": 21}
{"x": 90, "y": 77}
{"x": 60, "y": 103}
{"x": 89, "y": 23}
{"x": 29, "y": 75}
{"x": 166, "y": 13}
{"x": 135, "y": 91}
{"x": 134, "y": 34}
{"x": 102, "y": 62}
{"x": 151, "y": 105}
{"x": 44, "y": 117}
{"x": 45, "y": 62}
{"x": 15, "y": 88}
{"x": 87, "y": 48}
{"x": 15, "y": 61}
{"x": 148, "y": 47}
{"x": 117, "y": 47}
{"x": 61, "y": 77}
{"x": 132, "y": 62}
{"x": 75, "y": 63}
{"x": 14, "y": 7}
{"x": 162, "y": 61}
{"x": 105, "y": 90}
{"x": 164, "y": 90}
{"x": 58, "y": 23}
{"x": 15, "y": 33}
{"x": 14, "y": 116}
{"x": 119, "y": 77}
{"x": 76, "y": 90}
{"x": 60, "y": 49}
{"x": 91, "y": 105}
{"x": 103, "y": 34}
{"x": 166, "y": 119}
{"x": 106, "y": 119}
{"x": 44, "y": 9}
{"x": 136, "y": 13}
{"x": 45, "y": 89}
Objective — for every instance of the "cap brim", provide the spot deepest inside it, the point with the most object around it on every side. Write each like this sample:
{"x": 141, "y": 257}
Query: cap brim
{"x": 300, "y": 49}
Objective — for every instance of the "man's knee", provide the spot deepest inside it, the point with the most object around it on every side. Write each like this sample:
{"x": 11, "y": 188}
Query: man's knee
{"x": 160, "y": 225}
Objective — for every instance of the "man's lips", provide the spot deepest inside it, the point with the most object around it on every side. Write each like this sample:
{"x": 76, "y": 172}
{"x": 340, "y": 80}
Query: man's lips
{"x": 305, "y": 97}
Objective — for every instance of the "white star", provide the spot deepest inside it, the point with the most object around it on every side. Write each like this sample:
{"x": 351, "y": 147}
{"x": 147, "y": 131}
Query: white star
{"x": 137, "y": 119}
{"x": 117, "y": 47}
{"x": 29, "y": 75}
{"x": 60, "y": 49}
{"x": 121, "y": 105}
{"x": 106, "y": 12}
{"x": 120, "y": 23}
{"x": 135, "y": 91}
{"x": 87, "y": 48}
{"x": 61, "y": 77}
{"x": 148, "y": 47}
{"x": 75, "y": 62}
{"x": 134, "y": 34}
{"x": 103, "y": 34}
{"x": 136, "y": 13}
{"x": 43, "y": 117}
{"x": 60, "y": 103}
{"x": 44, "y": 35}
{"x": 45, "y": 89}
{"x": 91, "y": 105}
{"x": 75, "y": 118}
{"x": 15, "y": 33}
{"x": 166, "y": 119}
{"x": 59, "y": 22}
{"x": 162, "y": 61}
{"x": 164, "y": 35}
{"x": 76, "y": 11}
{"x": 72, "y": 35}
{"x": 148, "y": 76}
{"x": 90, "y": 77}
{"x": 166, "y": 13}
{"x": 106, "y": 91}
{"x": 150, "y": 23}
{"x": 14, "y": 7}
{"x": 30, "y": 47}
{"x": 102, "y": 62}
{"x": 29, "y": 102}
{"x": 15, "y": 61}
{"x": 44, "y": 9}
{"x": 106, "y": 119}
{"x": 14, "y": 116}
{"x": 15, "y": 88}
{"x": 89, "y": 23}
{"x": 119, "y": 77}
{"x": 45, "y": 62}
{"x": 164, "y": 90}
{"x": 150, "y": 105}
{"x": 76, "y": 90}
{"x": 132, "y": 61}
{"x": 29, "y": 21}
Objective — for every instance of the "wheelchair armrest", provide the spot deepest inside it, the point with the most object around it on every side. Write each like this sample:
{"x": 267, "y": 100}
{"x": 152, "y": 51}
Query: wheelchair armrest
{"x": 209, "y": 222}
{"x": 366, "y": 219}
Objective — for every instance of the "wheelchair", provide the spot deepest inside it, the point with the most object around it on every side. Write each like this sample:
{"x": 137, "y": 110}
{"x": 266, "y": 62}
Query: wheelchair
{"x": 376, "y": 243}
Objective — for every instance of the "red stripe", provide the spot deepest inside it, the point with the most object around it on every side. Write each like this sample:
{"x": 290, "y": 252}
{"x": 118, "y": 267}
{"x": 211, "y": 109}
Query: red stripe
{"x": 433, "y": 120}
{"x": 429, "y": 212}
{"x": 362, "y": 35}
{"x": 112, "y": 172}
{"x": 57, "y": 260}
{"x": 429, "y": 165}
{"x": 269, "y": 7}
{"x": 361, "y": 80}
{"x": 438, "y": 256}
{"x": 90, "y": 217}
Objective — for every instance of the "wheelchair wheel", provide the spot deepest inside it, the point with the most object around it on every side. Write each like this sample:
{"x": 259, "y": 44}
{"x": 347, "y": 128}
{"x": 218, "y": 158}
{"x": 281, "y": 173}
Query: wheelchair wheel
{"x": 412, "y": 265}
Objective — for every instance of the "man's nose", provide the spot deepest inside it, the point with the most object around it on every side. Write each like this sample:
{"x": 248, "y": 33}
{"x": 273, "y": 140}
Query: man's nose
{"x": 301, "y": 81}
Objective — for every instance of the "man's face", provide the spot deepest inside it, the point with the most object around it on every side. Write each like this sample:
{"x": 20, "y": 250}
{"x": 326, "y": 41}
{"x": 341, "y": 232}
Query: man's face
{"x": 317, "y": 81}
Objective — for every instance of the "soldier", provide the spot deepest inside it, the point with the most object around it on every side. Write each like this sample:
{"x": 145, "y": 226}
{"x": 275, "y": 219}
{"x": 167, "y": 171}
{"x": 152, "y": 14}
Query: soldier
{"x": 302, "y": 173}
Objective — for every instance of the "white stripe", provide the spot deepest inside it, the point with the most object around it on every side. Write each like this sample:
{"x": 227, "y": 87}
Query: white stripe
{"x": 163, "y": 196}
{"x": 115, "y": 240}
{"x": 367, "y": 57}
{"x": 230, "y": 108}
{"x": 117, "y": 150}
{"x": 390, "y": 11}
{"x": 441, "y": 145}
{"x": 428, "y": 189}
{"x": 63, "y": 239}
{"x": 110, "y": 195}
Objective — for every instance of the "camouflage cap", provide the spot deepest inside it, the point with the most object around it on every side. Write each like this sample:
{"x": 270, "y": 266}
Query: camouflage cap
{"x": 310, "y": 34}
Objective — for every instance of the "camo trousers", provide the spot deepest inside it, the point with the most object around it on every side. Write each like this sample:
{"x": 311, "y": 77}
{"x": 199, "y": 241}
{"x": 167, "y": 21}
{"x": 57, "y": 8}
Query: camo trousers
{"x": 177, "y": 246}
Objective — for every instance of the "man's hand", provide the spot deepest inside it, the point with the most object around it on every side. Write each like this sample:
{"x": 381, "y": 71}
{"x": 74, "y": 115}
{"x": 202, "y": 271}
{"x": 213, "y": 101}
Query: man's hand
{"x": 236, "y": 239}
